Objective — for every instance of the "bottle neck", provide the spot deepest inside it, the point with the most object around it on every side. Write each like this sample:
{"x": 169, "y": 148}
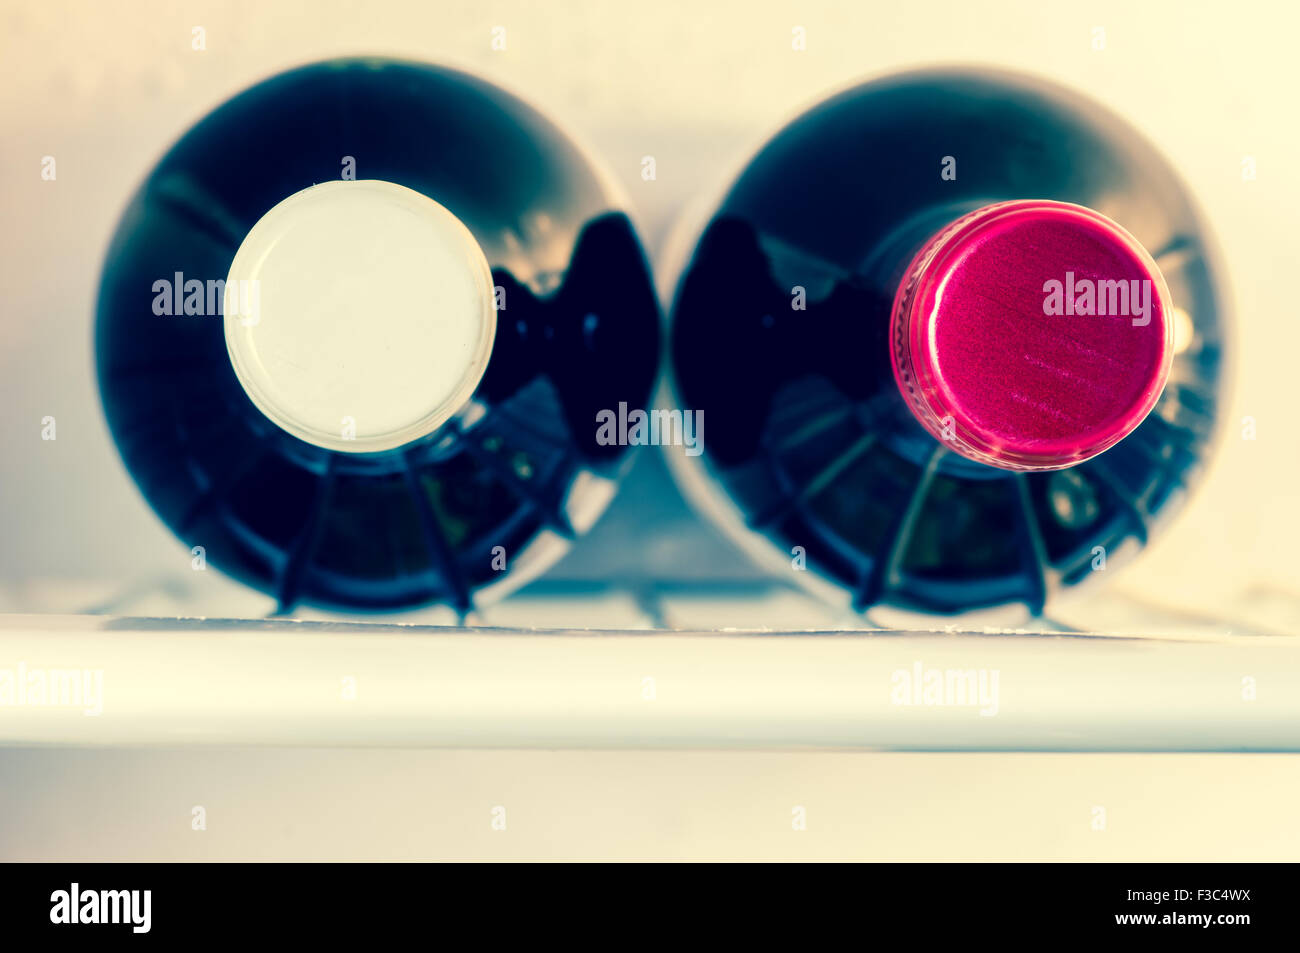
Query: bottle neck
{"x": 1031, "y": 335}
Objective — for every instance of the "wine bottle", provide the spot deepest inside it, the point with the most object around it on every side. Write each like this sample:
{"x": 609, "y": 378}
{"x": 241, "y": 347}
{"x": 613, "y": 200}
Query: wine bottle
{"x": 957, "y": 338}
{"x": 354, "y": 331}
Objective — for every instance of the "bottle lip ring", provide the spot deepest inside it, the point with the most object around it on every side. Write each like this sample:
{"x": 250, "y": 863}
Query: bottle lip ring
{"x": 289, "y": 410}
{"x": 914, "y": 353}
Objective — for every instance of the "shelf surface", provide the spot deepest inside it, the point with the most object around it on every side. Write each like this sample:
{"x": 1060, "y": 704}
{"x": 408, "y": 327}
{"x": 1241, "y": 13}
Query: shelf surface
{"x": 151, "y": 681}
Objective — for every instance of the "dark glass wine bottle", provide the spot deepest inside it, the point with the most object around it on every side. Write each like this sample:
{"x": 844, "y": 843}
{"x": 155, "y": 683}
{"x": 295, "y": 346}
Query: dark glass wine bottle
{"x": 910, "y": 330}
{"x": 354, "y": 331}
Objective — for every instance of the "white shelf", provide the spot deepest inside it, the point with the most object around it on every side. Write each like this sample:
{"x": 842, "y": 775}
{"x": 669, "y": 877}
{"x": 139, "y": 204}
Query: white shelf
{"x": 176, "y": 681}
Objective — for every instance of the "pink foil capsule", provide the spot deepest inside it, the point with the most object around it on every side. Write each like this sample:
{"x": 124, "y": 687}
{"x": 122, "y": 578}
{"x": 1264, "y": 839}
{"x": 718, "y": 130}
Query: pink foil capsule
{"x": 1032, "y": 335}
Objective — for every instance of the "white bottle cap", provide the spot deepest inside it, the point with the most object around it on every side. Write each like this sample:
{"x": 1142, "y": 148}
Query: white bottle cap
{"x": 359, "y": 315}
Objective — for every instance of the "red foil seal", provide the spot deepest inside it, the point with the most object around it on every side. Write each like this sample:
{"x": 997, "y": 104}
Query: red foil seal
{"x": 1032, "y": 335}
